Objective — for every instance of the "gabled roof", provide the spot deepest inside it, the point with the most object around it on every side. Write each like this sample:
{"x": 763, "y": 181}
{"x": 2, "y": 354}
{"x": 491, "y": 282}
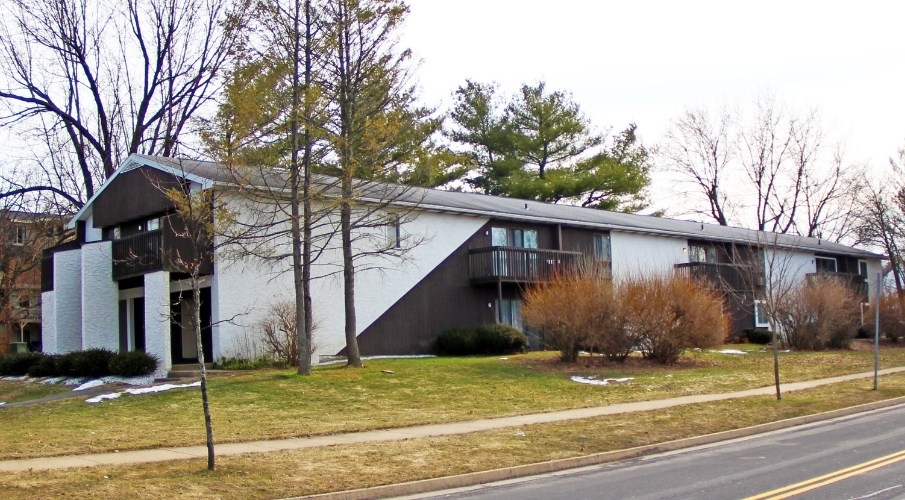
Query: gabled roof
{"x": 210, "y": 173}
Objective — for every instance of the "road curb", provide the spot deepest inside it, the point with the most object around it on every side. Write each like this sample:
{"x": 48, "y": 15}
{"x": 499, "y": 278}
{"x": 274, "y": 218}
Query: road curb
{"x": 520, "y": 471}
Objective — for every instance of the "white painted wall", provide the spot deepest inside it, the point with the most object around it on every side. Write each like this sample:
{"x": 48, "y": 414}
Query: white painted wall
{"x": 244, "y": 289}
{"x": 377, "y": 290}
{"x": 635, "y": 254}
{"x": 157, "y": 319}
{"x": 100, "y": 297}
{"x": 788, "y": 267}
{"x": 67, "y": 285}
{"x": 92, "y": 233}
{"x": 48, "y": 322}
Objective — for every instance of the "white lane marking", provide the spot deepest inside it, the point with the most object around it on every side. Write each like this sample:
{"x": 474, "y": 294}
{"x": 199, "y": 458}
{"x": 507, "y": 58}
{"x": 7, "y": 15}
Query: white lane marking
{"x": 877, "y": 492}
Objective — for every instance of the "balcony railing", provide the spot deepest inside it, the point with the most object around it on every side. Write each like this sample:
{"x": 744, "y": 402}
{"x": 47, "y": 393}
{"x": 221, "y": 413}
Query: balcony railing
{"x": 518, "y": 265}
{"x": 137, "y": 254}
{"x": 723, "y": 276}
{"x": 857, "y": 282}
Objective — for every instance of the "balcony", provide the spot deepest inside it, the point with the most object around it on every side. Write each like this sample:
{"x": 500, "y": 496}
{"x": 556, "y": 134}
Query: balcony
{"x": 857, "y": 282}
{"x": 730, "y": 277}
{"x": 518, "y": 265}
{"x": 138, "y": 254}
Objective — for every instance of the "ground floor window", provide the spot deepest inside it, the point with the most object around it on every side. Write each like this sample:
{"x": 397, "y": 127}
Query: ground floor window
{"x": 761, "y": 320}
{"x": 131, "y": 324}
{"x": 511, "y": 313}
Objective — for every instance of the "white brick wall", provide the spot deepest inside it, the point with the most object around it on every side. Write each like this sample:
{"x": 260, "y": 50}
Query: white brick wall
{"x": 100, "y": 298}
{"x": 157, "y": 319}
{"x": 67, "y": 284}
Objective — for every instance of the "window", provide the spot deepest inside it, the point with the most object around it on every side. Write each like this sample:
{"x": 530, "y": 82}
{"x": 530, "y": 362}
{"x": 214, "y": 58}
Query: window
{"x": 21, "y": 235}
{"x": 826, "y": 264}
{"x": 697, "y": 253}
{"x": 117, "y": 233}
{"x": 761, "y": 320}
{"x": 511, "y": 313}
{"x": 602, "y": 248}
{"x": 521, "y": 238}
{"x": 154, "y": 224}
{"x": 862, "y": 268}
{"x": 393, "y": 234}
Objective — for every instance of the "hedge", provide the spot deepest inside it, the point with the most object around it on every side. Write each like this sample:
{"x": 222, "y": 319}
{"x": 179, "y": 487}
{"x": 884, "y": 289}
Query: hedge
{"x": 487, "y": 339}
{"x": 93, "y": 363}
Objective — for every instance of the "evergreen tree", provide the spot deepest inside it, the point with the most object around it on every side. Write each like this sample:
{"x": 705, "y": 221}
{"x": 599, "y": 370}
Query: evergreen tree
{"x": 540, "y": 146}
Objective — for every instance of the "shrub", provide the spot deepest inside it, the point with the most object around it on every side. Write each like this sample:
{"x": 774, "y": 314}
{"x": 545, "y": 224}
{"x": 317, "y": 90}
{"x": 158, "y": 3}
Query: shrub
{"x": 88, "y": 363}
{"x": 45, "y": 367}
{"x": 820, "y": 314}
{"x": 459, "y": 341}
{"x": 579, "y": 309}
{"x": 758, "y": 336}
{"x": 132, "y": 364}
{"x": 668, "y": 314}
{"x": 500, "y": 339}
{"x": 249, "y": 364}
{"x": 892, "y": 317}
{"x": 278, "y": 333}
{"x": 18, "y": 364}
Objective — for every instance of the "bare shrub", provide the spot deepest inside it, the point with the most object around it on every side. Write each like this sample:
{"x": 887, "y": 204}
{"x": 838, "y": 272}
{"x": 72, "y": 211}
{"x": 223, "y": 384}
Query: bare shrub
{"x": 278, "y": 333}
{"x": 668, "y": 314}
{"x": 819, "y": 314}
{"x": 892, "y": 316}
{"x": 579, "y": 310}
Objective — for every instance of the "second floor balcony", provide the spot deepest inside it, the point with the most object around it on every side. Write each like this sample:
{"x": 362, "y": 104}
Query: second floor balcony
{"x": 730, "y": 277}
{"x": 856, "y": 282}
{"x": 518, "y": 265}
{"x": 151, "y": 251}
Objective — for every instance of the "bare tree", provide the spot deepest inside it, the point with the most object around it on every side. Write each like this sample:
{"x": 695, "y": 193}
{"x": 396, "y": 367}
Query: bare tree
{"x": 881, "y": 222}
{"x": 94, "y": 82}
{"x": 699, "y": 148}
{"x": 776, "y": 166}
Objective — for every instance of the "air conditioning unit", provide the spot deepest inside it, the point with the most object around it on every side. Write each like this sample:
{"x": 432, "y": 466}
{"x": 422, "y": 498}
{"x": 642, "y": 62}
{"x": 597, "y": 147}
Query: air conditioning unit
{"x": 15, "y": 347}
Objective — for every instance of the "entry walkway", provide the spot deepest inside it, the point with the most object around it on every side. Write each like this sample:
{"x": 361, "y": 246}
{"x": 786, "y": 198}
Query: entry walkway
{"x": 420, "y": 431}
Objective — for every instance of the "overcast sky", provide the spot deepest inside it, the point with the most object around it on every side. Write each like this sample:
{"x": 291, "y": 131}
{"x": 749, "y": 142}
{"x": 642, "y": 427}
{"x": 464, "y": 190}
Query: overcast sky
{"x": 644, "y": 61}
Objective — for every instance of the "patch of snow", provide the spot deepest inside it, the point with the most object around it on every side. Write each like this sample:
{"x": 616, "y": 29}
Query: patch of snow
{"x": 732, "y": 351}
{"x": 593, "y": 380}
{"x": 367, "y": 358}
{"x": 142, "y": 390}
{"x": 91, "y": 384}
{"x": 161, "y": 388}
{"x": 53, "y": 380}
{"x": 102, "y": 397}
{"x": 73, "y": 381}
{"x": 15, "y": 379}
{"x": 2, "y": 403}
{"x": 503, "y": 359}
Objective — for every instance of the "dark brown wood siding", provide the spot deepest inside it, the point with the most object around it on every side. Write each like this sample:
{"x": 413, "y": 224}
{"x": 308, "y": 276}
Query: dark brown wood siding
{"x": 445, "y": 298}
{"x": 133, "y": 195}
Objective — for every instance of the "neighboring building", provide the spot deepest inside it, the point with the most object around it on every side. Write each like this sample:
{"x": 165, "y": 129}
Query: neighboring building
{"x": 114, "y": 288}
{"x": 25, "y": 235}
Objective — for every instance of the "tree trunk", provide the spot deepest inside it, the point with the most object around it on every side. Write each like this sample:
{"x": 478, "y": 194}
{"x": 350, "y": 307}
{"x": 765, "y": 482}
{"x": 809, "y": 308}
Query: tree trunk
{"x": 349, "y": 275}
{"x": 306, "y": 186}
{"x": 196, "y": 314}
{"x": 297, "y": 274}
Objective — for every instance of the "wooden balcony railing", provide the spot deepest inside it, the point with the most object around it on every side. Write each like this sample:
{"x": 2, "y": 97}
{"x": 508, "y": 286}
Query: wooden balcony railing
{"x": 137, "y": 254}
{"x": 857, "y": 282}
{"x": 723, "y": 276}
{"x": 518, "y": 265}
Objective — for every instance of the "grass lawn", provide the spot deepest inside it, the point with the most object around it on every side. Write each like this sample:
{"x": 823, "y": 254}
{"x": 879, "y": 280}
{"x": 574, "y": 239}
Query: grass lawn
{"x": 276, "y": 404}
{"x": 335, "y": 468}
{"x": 13, "y": 392}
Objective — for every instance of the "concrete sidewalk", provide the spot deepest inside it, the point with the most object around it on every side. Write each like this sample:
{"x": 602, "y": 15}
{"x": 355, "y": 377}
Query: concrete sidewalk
{"x": 190, "y": 452}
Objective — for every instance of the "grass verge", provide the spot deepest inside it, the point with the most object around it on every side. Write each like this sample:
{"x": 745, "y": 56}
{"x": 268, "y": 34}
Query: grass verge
{"x": 13, "y": 392}
{"x": 274, "y": 404}
{"x": 337, "y": 468}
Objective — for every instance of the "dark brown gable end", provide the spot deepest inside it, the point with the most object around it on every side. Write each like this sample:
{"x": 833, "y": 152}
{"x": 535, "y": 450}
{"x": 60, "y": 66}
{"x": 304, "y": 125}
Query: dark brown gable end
{"x": 132, "y": 195}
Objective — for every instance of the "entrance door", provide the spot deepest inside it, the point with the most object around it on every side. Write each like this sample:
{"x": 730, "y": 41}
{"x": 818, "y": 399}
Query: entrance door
{"x": 184, "y": 347}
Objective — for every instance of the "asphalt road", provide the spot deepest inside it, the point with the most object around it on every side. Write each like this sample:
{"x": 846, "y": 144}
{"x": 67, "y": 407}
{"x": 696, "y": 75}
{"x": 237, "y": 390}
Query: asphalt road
{"x": 855, "y": 457}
